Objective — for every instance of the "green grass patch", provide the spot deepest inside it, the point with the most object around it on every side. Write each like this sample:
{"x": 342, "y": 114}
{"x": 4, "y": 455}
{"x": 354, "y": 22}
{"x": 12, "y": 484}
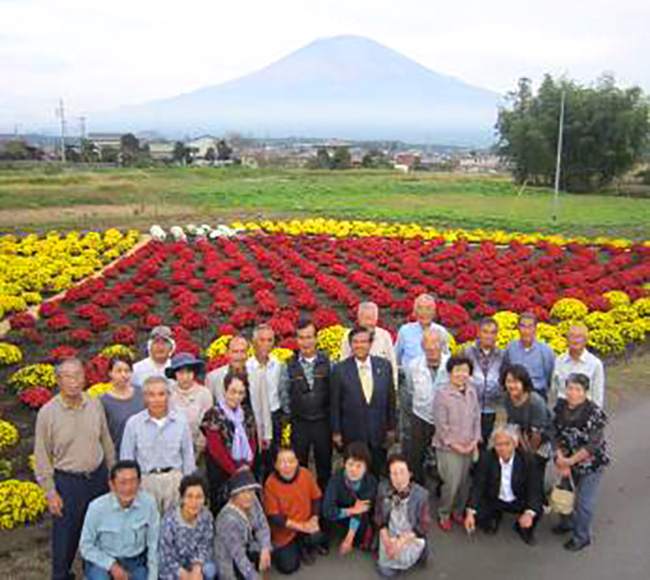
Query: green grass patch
{"x": 436, "y": 199}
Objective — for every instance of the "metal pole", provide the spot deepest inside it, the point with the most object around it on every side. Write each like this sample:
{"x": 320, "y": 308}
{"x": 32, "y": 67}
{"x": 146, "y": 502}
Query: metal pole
{"x": 558, "y": 165}
{"x": 61, "y": 114}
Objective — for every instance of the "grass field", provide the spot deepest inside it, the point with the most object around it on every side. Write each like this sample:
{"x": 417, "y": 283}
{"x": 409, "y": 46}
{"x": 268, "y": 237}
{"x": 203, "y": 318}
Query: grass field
{"x": 128, "y": 197}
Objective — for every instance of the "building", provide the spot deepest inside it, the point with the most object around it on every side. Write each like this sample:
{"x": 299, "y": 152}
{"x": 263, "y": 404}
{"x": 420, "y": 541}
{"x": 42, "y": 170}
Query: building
{"x": 101, "y": 140}
{"x": 410, "y": 160}
{"x": 199, "y": 146}
{"x": 161, "y": 150}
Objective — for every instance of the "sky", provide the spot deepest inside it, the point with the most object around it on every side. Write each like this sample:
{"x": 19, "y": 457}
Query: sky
{"x": 102, "y": 55}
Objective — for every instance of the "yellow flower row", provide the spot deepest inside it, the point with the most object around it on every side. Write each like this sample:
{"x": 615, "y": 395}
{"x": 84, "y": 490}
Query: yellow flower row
{"x": 21, "y": 502}
{"x": 356, "y": 228}
{"x": 118, "y": 350}
{"x": 9, "y": 354}
{"x": 8, "y": 435}
{"x": 35, "y": 375}
{"x": 33, "y": 265}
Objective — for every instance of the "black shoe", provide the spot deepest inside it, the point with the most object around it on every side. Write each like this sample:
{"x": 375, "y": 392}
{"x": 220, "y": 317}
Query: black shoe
{"x": 323, "y": 550}
{"x": 527, "y": 536}
{"x": 307, "y": 558}
{"x": 574, "y": 545}
{"x": 491, "y": 527}
{"x": 560, "y": 529}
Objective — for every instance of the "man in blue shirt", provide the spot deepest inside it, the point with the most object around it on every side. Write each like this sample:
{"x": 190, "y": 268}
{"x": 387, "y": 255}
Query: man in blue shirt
{"x": 119, "y": 540}
{"x": 409, "y": 338}
{"x": 159, "y": 439}
{"x": 537, "y": 357}
{"x": 408, "y": 347}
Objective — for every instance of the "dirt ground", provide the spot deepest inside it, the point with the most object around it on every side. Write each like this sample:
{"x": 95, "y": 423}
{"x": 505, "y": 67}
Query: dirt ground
{"x": 25, "y": 553}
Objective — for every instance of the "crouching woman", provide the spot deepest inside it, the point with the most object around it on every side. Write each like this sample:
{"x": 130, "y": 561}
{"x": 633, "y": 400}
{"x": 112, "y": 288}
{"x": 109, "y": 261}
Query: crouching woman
{"x": 292, "y": 501}
{"x": 349, "y": 499}
{"x": 242, "y": 538}
{"x": 403, "y": 518}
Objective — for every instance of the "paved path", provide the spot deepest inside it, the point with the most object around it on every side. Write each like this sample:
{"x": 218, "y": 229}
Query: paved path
{"x": 621, "y": 544}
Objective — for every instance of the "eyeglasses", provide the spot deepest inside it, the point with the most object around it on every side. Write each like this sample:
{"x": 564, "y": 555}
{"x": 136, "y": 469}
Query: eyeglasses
{"x": 71, "y": 377}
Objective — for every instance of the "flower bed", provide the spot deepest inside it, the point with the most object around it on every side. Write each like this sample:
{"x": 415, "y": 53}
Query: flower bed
{"x": 278, "y": 272}
{"x": 34, "y": 266}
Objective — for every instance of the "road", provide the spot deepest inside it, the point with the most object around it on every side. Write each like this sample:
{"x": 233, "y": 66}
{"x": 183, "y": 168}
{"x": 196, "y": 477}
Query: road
{"x": 620, "y": 547}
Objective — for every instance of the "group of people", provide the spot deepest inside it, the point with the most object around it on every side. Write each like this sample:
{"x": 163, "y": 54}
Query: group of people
{"x": 173, "y": 474}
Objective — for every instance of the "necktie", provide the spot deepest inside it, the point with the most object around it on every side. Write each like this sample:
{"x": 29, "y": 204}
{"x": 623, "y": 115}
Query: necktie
{"x": 366, "y": 382}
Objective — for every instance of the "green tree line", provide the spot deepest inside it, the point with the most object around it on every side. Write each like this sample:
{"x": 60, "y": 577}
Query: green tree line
{"x": 606, "y": 130}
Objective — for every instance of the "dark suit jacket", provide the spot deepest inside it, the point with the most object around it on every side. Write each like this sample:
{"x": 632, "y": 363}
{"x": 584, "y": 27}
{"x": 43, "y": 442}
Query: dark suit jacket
{"x": 351, "y": 414}
{"x": 526, "y": 482}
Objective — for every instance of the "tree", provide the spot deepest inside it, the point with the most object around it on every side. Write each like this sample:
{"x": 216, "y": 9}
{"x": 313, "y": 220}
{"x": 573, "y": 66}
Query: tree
{"x": 376, "y": 159}
{"x": 109, "y": 154}
{"x": 72, "y": 154}
{"x": 321, "y": 161}
{"x": 341, "y": 158}
{"x": 605, "y": 132}
{"x": 88, "y": 151}
{"x": 224, "y": 151}
{"x": 211, "y": 155}
{"x": 182, "y": 154}
{"x": 129, "y": 148}
{"x": 15, "y": 150}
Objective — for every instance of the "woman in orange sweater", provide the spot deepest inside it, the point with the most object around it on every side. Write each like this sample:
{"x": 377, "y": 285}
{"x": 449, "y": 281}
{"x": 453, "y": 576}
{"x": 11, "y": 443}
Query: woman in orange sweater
{"x": 292, "y": 503}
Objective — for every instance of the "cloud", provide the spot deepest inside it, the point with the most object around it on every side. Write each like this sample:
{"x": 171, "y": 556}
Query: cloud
{"x": 104, "y": 55}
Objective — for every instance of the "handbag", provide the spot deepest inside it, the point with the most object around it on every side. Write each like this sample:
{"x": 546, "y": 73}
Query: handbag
{"x": 561, "y": 499}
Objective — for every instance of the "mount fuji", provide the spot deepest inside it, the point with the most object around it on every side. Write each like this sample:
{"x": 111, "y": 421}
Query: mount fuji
{"x": 345, "y": 86}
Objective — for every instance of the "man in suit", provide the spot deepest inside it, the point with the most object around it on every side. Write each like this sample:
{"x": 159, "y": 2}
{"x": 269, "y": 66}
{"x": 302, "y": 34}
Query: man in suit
{"x": 363, "y": 400}
{"x": 505, "y": 481}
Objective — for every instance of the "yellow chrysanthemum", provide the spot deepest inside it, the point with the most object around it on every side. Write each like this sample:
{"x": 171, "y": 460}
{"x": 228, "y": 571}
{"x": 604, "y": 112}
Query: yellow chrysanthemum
{"x": 9, "y": 354}
{"x": 642, "y": 307}
{"x": 569, "y": 309}
{"x": 21, "y": 502}
{"x": 329, "y": 340}
{"x": 36, "y": 375}
{"x": 118, "y": 350}
{"x": 219, "y": 347}
{"x": 282, "y": 354}
{"x": 617, "y": 298}
{"x": 8, "y": 435}
{"x": 99, "y": 389}
{"x": 506, "y": 320}
{"x": 607, "y": 341}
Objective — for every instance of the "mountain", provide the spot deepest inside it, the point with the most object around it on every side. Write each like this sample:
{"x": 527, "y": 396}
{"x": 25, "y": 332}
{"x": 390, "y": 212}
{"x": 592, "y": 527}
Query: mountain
{"x": 345, "y": 86}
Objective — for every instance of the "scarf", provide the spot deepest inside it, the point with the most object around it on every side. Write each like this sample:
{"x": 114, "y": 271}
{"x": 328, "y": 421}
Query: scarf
{"x": 397, "y": 497}
{"x": 241, "y": 449}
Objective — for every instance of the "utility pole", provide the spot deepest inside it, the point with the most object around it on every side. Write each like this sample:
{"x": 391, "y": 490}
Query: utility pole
{"x": 558, "y": 165}
{"x": 60, "y": 112}
{"x": 82, "y": 126}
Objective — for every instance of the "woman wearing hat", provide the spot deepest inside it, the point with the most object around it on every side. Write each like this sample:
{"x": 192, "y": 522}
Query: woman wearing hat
{"x": 188, "y": 396}
{"x": 242, "y": 543}
{"x": 231, "y": 437}
{"x": 581, "y": 455}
